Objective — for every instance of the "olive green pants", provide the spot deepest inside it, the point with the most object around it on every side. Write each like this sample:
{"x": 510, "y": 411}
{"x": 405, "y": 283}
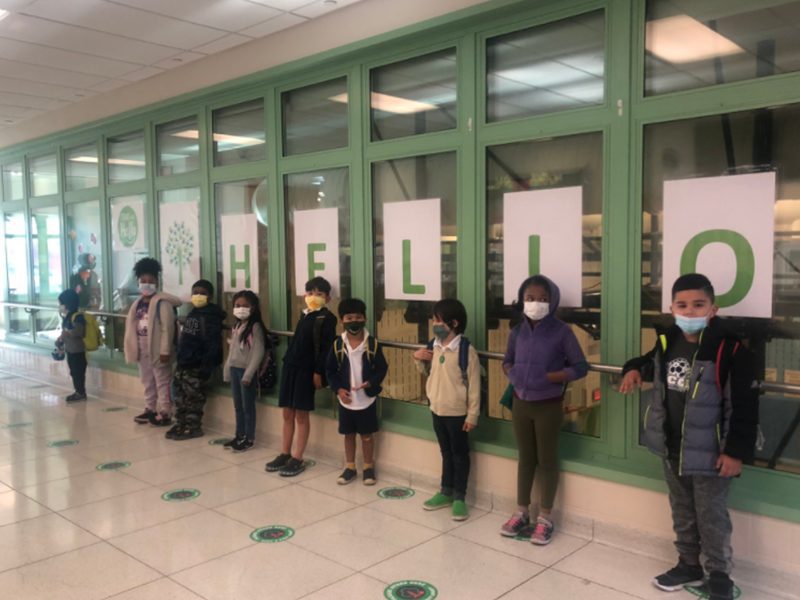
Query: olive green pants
{"x": 536, "y": 428}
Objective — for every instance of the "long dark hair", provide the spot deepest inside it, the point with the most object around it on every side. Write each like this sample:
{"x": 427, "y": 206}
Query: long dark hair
{"x": 255, "y": 314}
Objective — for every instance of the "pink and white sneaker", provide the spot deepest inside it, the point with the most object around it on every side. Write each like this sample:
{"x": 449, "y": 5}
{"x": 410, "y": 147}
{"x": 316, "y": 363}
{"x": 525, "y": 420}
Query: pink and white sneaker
{"x": 543, "y": 532}
{"x": 518, "y": 521}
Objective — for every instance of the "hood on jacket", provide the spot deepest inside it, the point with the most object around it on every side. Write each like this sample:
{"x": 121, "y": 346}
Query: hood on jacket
{"x": 545, "y": 282}
{"x": 70, "y": 299}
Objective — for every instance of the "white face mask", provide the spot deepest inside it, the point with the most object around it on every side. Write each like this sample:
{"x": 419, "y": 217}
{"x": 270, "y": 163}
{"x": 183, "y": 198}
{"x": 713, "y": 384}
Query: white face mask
{"x": 147, "y": 289}
{"x": 62, "y": 310}
{"x": 242, "y": 312}
{"x": 536, "y": 311}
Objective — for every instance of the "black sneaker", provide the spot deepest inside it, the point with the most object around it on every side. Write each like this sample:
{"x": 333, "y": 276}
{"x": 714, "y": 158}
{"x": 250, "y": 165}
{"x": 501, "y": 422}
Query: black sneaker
{"x": 188, "y": 433}
{"x": 720, "y": 586}
{"x": 369, "y": 476}
{"x": 293, "y": 467}
{"x": 144, "y": 417}
{"x": 243, "y": 445}
{"x": 76, "y": 397}
{"x": 172, "y": 431}
{"x": 277, "y": 463}
{"x": 160, "y": 420}
{"x": 679, "y": 576}
{"x": 229, "y": 444}
{"x": 346, "y": 477}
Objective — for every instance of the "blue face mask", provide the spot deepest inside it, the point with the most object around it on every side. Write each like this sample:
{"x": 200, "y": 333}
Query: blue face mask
{"x": 691, "y": 324}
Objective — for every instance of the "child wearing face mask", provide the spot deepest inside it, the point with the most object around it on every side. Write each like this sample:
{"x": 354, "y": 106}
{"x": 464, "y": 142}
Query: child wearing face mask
{"x": 455, "y": 399}
{"x": 302, "y": 373}
{"x": 247, "y": 351}
{"x": 356, "y": 368}
{"x": 199, "y": 353}
{"x": 150, "y": 342}
{"x": 73, "y": 328}
{"x": 702, "y": 420}
{"x": 543, "y": 354}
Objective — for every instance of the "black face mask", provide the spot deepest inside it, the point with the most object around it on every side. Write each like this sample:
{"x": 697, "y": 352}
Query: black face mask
{"x": 354, "y": 327}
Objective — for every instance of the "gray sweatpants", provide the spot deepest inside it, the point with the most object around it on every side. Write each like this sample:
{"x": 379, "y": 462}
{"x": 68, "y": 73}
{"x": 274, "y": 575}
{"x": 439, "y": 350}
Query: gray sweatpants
{"x": 156, "y": 380}
{"x": 700, "y": 517}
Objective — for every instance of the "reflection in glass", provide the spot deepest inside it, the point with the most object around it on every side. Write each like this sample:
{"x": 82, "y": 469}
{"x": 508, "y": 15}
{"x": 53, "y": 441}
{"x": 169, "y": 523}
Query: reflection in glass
{"x": 417, "y": 178}
{"x": 315, "y": 117}
{"x": 312, "y": 191}
{"x": 80, "y": 167}
{"x": 239, "y": 133}
{"x": 46, "y": 253}
{"x": 178, "y": 147}
{"x": 85, "y": 253}
{"x": 44, "y": 175}
{"x": 16, "y": 320}
{"x": 414, "y": 96}
{"x": 701, "y": 43}
{"x": 126, "y": 158}
{"x": 575, "y": 160}
{"x": 12, "y": 182}
{"x": 729, "y": 144}
{"x": 552, "y": 67}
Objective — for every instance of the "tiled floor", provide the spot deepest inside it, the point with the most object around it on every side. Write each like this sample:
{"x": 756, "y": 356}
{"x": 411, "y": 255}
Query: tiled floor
{"x": 71, "y": 531}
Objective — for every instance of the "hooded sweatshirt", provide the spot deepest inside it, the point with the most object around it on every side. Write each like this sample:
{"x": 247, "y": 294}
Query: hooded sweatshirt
{"x": 200, "y": 342}
{"x": 73, "y": 325}
{"x": 534, "y": 351}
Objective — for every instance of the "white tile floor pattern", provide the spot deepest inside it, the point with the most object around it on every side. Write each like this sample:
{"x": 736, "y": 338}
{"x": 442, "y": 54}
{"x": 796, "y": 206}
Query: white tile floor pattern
{"x": 71, "y": 531}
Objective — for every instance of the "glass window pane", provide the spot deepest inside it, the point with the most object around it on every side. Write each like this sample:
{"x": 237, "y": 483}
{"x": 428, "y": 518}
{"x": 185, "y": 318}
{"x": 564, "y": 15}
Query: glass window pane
{"x": 12, "y": 182}
{"x": 80, "y": 167}
{"x": 126, "y": 158}
{"x": 232, "y": 199}
{"x": 85, "y": 253}
{"x": 574, "y": 161}
{"x": 730, "y": 144}
{"x": 239, "y": 134}
{"x": 404, "y": 180}
{"x": 315, "y": 117}
{"x": 547, "y": 68}
{"x": 16, "y": 246}
{"x": 44, "y": 175}
{"x": 705, "y": 42}
{"x": 306, "y": 192}
{"x": 178, "y": 147}
{"x": 46, "y": 253}
{"x": 179, "y": 234}
{"x": 414, "y": 96}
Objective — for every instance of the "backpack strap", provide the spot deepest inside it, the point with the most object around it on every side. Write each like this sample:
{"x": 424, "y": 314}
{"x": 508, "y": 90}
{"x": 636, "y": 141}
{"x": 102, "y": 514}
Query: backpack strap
{"x": 338, "y": 350}
{"x": 725, "y": 353}
{"x": 372, "y": 348}
{"x": 316, "y": 335}
{"x": 463, "y": 359}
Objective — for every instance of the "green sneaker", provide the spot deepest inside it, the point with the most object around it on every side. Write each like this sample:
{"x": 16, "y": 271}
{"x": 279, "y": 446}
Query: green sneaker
{"x": 460, "y": 511}
{"x": 437, "y": 501}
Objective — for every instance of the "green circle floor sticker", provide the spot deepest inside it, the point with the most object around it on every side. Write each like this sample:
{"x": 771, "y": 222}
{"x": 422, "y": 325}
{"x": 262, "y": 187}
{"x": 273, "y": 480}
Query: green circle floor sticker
{"x": 395, "y": 493}
{"x": 524, "y": 534}
{"x": 218, "y": 441}
{"x": 180, "y": 495}
{"x": 15, "y": 425}
{"x": 418, "y": 590}
{"x": 62, "y": 443}
{"x": 272, "y": 534}
{"x": 115, "y": 409}
{"x": 309, "y": 462}
{"x": 702, "y": 591}
{"x": 114, "y": 465}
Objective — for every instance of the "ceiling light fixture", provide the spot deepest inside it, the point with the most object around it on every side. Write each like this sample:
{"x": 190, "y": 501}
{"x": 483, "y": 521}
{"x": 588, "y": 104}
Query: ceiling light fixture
{"x": 220, "y": 138}
{"x": 391, "y": 104}
{"x": 682, "y": 39}
{"x": 125, "y": 162}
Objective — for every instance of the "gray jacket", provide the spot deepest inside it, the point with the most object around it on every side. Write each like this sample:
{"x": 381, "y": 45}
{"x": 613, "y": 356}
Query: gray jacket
{"x": 721, "y": 413}
{"x": 73, "y": 328}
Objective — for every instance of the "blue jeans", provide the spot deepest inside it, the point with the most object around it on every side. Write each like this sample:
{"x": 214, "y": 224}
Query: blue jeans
{"x": 244, "y": 402}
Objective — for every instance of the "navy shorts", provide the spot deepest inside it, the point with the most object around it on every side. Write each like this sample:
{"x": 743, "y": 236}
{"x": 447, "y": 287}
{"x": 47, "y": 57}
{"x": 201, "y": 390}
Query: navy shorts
{"x": 363, "y": 421}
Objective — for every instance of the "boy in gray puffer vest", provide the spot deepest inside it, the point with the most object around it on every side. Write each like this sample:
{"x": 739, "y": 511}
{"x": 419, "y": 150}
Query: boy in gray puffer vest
{"x": 702, "y": 419}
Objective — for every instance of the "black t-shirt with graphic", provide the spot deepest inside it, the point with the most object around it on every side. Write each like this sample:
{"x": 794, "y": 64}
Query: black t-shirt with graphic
{"x": 679, "y": 371}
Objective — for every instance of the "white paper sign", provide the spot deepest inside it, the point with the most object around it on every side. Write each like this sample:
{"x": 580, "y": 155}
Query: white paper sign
{"x": 180, "y": 246}
{"x": 316, "y": 247}
{"x": 542, "y": 234}
{"x": 412, "y": 249}
{"x": 723, "y": 227}
{"x": 128, "y": 225}
{"x": 239, "y": 252}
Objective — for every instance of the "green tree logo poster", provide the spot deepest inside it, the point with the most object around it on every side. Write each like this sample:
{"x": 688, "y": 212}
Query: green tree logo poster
{"x": 180, "y": 248}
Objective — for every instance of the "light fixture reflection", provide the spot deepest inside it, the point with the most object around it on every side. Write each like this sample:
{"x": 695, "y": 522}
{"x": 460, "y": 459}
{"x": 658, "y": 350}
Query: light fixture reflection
{"x": 682, "y": 39}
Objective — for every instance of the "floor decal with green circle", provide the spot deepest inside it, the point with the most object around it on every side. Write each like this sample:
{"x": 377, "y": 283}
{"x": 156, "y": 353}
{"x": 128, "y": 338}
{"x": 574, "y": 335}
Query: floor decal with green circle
{"x": 62, "y": 443}
{"x": 114, "y": 465}
{"x": 272, "y": 534}
{"x": 702, "y": 591}
{"x": 15, "y": 425}
{"x": 395, "y": 493}
{"x": 180, "y": 495}
{"x": 218, "y": 441}
{"x": 402, "y": 590}
{"x": 525, "y": 533}
{"x": 115, "y": 409}
{"x": 309, "y": 462}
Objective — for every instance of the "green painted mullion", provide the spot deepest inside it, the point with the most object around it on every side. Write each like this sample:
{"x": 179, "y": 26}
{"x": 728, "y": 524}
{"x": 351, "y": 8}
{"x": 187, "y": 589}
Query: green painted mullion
{"x": 584, "y": 120}
{"x": 129, "y": 188}
{"x": 415, "y": 145}
{"x": 182, "y": 180}
{"x": 239, "y": 171}
{"x": 315, "y": 161}
{"x": 360, "y": 197}
{"x": 276, "y": 218}
{"x": 151, "y": 166}
{"x": 206, "y": 212}
{"x": 82, "y": 195}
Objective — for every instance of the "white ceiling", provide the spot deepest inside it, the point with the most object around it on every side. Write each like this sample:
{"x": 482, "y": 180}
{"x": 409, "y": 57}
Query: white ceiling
{"x": 57, "y": 52}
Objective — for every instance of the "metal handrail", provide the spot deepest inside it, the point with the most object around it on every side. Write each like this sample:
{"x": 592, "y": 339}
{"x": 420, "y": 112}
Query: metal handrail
{"x": 765, "y": 386}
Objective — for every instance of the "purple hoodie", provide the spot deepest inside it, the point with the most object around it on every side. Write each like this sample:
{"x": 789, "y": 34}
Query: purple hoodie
{"x": 535, "y": 351}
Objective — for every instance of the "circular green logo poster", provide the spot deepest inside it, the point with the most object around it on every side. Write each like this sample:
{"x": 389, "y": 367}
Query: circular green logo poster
{"x": 128, "y": 227}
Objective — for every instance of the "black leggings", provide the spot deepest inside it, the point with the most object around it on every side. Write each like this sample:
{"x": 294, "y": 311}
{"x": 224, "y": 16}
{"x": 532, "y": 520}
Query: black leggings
{"x": 77, "y": 370}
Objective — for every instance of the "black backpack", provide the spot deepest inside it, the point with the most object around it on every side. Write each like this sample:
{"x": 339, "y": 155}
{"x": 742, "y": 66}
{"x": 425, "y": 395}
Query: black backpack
{"x": 267, "y": 374}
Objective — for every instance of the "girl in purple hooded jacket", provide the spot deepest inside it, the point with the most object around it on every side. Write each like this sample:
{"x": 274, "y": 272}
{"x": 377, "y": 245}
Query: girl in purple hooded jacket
{"x": 542, "y": 356}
